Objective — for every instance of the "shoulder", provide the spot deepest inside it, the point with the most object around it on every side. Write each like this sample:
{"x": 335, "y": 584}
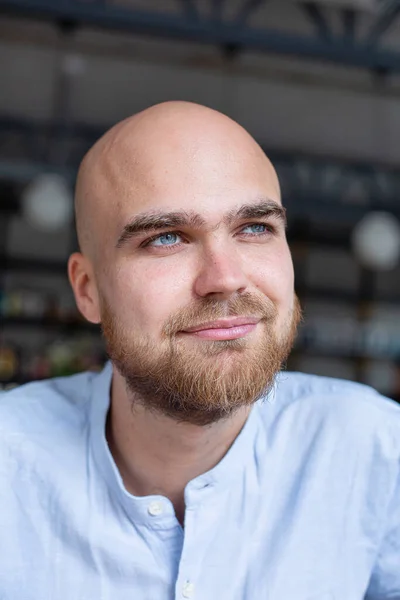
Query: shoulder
{"x": 45, "y": 409}
{"x": 356, "y": 413}
{"x": 331, "y": 393}
{"x": 45, "y": 430}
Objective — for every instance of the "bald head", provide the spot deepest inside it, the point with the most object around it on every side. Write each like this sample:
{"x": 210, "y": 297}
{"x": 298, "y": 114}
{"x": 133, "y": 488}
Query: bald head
{"x": 160, "y": 151}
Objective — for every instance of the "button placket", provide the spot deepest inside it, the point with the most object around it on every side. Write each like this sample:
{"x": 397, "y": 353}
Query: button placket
{"x": 188, "y": 590}
{"x": 188, "y": 579}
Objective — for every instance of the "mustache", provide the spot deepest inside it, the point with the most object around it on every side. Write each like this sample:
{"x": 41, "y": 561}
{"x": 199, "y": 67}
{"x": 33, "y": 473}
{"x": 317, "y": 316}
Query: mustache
{"x": 210, "y": 309}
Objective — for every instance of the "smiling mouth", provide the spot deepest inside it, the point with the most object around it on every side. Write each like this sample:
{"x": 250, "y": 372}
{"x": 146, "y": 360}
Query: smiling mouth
{"x": 224, "y": 329}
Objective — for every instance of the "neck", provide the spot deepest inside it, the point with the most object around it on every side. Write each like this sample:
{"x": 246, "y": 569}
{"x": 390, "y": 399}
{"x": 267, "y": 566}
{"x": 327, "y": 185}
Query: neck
{"x": 157, "y": 455}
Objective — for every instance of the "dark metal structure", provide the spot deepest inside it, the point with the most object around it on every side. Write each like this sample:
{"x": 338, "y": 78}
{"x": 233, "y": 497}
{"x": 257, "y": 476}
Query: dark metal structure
{"x": 190, "y": 23}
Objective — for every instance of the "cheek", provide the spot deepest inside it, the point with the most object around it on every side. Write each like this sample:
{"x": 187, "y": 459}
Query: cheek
{"x": 274, "y": 277}
{"x": 146, "y": 297}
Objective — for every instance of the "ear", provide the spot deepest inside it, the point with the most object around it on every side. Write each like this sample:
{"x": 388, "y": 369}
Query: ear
{"x": 81, "y": 277}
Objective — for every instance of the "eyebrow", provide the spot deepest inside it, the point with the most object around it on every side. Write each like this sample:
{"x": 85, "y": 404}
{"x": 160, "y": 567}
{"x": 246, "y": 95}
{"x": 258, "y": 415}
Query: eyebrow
{"x": 155, "y": 221}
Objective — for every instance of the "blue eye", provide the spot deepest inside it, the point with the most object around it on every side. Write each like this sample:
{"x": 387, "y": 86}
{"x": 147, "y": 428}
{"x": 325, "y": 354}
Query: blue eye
{"x": 165, "y": 239}
{"x": 256, "y": 228}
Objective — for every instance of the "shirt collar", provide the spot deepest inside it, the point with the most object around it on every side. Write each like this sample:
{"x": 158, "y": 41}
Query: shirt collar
{"x": 218, "y": 478}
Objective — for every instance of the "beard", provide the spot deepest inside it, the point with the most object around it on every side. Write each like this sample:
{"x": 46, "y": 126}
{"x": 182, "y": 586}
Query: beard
{"x": 201, "y": 381}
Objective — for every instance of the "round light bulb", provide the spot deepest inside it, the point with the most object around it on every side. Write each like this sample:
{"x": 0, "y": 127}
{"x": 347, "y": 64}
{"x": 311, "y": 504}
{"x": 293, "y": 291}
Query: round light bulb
{"x": 47, "y": 202}
{"x": 74, "y": 65}
{"x": 376, "y": 241}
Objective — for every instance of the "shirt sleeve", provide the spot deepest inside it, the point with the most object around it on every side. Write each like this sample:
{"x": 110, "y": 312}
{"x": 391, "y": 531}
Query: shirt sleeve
{"x": 385, "y": 579}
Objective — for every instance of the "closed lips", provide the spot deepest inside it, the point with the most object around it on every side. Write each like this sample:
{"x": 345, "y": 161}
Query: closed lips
{"x": 224, "y": 324}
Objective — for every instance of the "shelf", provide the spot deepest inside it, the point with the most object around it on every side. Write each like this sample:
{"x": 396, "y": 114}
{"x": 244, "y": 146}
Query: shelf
{"x": 319, "y": 352}
{"x": 21, "y": 380}
{"x": 17, "y": 380}
{"x": 28, "y": 264}
{"x": 49, "y": 323}
{"x": 309, "y": 293}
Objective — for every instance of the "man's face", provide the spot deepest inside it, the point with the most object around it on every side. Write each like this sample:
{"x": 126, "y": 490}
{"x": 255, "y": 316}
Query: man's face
{"x": 198, "y": 240}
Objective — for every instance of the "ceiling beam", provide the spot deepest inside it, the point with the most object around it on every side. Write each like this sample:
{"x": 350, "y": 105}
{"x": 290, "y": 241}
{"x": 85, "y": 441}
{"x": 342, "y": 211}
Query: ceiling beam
{"x": 315, "y": 14}
{"x": 248, "y": 7}
{"x": 189, "y": 8}
{"x": 173, "y": 26}
{"x": 384, "y": 21}
{"x": 349, "y": 20}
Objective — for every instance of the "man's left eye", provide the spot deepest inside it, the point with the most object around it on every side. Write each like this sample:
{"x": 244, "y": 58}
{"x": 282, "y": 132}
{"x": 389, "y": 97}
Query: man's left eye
{"x": 256, "y": 228}
{"x": 165, "y": 239}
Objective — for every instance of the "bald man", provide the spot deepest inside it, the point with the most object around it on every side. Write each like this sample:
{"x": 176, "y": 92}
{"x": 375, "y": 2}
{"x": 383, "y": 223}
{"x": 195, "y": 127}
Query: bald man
{"x": 190, "y": 467}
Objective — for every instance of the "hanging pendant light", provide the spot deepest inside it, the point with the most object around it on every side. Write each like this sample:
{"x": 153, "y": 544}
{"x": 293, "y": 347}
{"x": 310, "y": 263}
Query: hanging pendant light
{"x": 376, "y": 241}
{"x": 47, "y": 202}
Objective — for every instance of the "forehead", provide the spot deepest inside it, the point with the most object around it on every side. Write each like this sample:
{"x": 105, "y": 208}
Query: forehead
{"x": 210, "y": 183}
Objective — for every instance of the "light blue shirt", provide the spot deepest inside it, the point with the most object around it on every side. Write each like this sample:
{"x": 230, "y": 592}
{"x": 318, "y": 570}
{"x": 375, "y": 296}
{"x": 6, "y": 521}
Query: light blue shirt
{"x": 304, "y": 506}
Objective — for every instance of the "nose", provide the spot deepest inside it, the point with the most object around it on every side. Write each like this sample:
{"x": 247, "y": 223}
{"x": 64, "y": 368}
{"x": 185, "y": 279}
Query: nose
{"x": 220, "y": 275}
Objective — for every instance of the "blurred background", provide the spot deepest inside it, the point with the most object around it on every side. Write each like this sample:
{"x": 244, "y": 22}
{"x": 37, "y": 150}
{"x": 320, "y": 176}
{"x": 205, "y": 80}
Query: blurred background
{"x": 316, "y": 83}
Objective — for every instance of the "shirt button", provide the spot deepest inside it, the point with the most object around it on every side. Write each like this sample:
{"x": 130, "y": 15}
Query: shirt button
{"x": 155, "y": 509}
{"x": 188, "y": 590}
